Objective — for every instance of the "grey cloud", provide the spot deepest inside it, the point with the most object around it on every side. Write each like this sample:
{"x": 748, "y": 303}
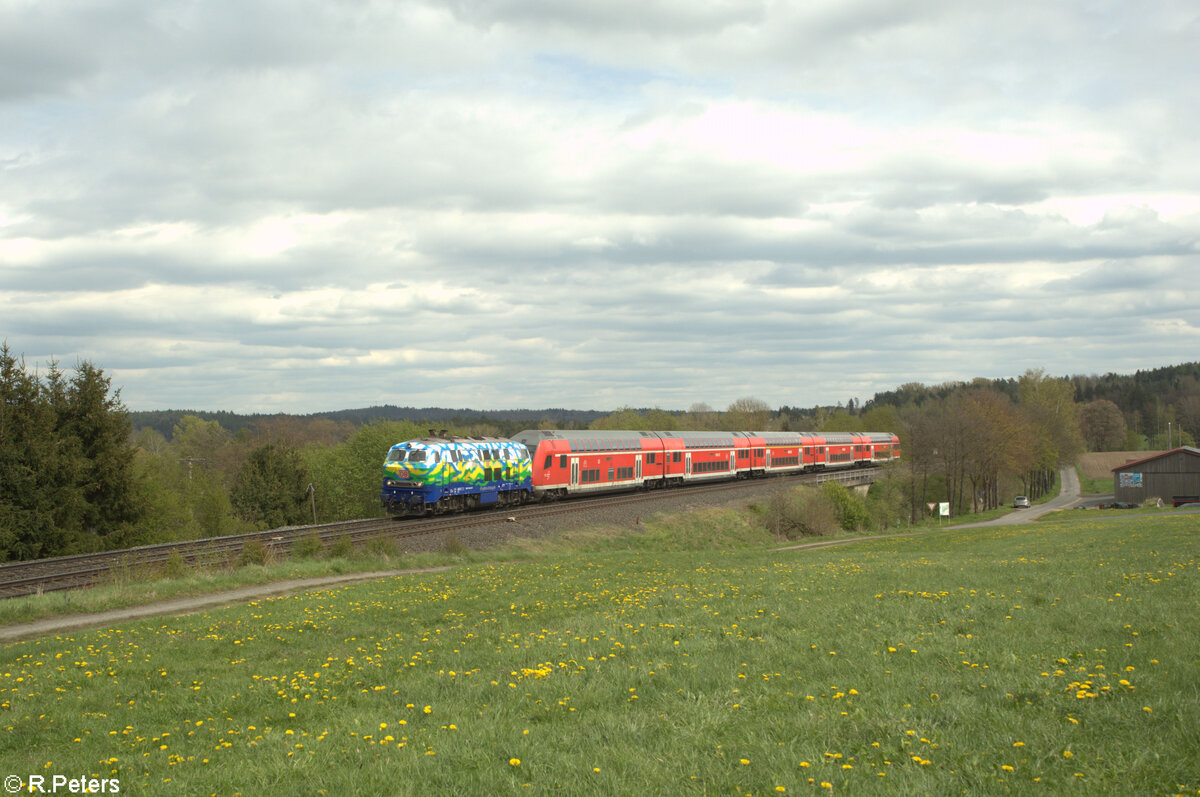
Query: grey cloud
{"x": 519, "y": 204}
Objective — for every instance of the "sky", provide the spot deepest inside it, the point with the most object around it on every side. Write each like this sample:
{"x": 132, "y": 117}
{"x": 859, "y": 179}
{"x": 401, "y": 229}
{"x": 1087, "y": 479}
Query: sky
{"x": 310, "y": 205}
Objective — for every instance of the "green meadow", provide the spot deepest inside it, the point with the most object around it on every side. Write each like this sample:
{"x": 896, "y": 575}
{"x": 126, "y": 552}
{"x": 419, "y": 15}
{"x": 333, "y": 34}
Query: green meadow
{"x": 1051, "y": 658}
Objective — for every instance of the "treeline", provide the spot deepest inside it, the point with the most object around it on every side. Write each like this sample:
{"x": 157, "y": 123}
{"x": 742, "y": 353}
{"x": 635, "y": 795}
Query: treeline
{"x": 506, "y": 422}
{"x": 1147, "y": 410}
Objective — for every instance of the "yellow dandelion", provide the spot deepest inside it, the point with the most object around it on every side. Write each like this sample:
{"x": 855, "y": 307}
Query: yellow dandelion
{"x": 514, "y": 762}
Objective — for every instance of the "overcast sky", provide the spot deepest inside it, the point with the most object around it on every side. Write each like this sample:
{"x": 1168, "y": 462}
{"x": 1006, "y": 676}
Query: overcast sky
{"x": 310, "y": 205}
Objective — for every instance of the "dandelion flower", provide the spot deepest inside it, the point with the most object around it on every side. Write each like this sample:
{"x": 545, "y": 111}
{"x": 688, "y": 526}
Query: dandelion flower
{"x": 514, "y": 762}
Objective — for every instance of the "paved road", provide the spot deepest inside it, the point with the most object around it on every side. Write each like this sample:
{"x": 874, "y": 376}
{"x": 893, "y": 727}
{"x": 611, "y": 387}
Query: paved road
{"x": 1068, "y": 496}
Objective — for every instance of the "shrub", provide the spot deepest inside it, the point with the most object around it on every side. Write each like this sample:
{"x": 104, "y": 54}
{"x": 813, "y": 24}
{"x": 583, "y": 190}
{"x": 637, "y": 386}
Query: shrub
{"x": 800, "y": 513}
{"x": 254, "y": 552}
{"x": 383, "y": 548}
{"x": 851, "y": 512}
{"x": 175, "y": 566}
{"x": 453, "y": 546}
{"x": 343, "y": 548}
{"x": 307, "y": 547}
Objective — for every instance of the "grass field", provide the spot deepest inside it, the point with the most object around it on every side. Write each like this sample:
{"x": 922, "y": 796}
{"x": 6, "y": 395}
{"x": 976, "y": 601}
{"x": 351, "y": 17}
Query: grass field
{"x": 1057, "y": 659}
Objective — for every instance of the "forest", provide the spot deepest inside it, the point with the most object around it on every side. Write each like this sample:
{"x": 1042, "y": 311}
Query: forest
{"x": 79, "y": 472}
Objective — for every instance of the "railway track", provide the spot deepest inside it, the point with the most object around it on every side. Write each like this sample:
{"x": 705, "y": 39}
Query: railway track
{"x": 83, "y": 570}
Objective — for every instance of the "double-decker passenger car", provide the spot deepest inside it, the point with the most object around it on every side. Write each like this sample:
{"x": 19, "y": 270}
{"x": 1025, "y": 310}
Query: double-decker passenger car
{"x": 588, "y": 461}
{"x": 440, "y": 474}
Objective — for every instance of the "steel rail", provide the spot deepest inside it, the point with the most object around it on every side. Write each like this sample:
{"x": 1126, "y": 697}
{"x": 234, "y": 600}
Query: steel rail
{"x": 82, "y": 570}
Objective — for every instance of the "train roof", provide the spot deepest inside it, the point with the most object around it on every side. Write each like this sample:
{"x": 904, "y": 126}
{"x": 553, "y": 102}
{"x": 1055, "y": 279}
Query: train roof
{"x": 435, "y": 440}
{"x": 531, "y": 437}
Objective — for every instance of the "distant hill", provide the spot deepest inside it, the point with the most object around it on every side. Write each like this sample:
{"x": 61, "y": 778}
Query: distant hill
{"x": 512, "y": 421}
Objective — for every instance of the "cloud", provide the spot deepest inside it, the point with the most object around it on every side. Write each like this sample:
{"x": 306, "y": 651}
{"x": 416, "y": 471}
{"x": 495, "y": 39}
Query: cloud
{"x": 320, "y": 205}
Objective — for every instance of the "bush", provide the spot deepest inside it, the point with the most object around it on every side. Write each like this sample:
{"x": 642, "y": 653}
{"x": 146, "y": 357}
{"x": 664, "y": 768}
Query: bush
{"x": 307, "y": 547}
{"x": 453, "y": 546}
{"x": 384, "y": 548}
{"x": 175, "y": 566}
{"x": 254, "y": 552}
{"x": 343, "y": 548}
{"x": 851, "y": 512}
{"x": 800, "y": 512}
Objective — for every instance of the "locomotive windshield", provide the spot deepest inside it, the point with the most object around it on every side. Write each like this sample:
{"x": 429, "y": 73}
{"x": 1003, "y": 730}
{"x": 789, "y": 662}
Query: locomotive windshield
{"x": 401, "y": 454}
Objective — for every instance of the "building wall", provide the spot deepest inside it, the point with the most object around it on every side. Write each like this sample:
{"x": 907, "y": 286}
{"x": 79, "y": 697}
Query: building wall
{"x": 1171, "y": 477}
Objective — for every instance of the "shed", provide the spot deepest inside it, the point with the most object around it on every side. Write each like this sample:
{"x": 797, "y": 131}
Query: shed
{"x": 1173, "y": 476}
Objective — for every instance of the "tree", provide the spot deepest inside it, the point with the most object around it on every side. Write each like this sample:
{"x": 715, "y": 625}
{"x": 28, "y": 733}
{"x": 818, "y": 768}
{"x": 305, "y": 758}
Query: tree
{"x": 995, "y": 440}
{"x": 624, "y": 418}
{"x": 270, "y": 488}
{"x": 1188, "y": 412}
{"x": 842, "y": 422}
{"x": 348, "y": 477}
{"x": 1102, "y": 425}
{"x": 96, "y": 425}
{"x": 746, "y": 415}
{"x": 1049, "y": 407}
{"x": 700, "y": 417}
{"x": 27, "y": 455}
{"x": 198, "y": 440}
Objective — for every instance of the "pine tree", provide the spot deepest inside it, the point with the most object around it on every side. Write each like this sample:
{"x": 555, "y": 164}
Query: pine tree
{"x": 28, "y": 491}
{"x": 96, "y": 423}
{"x": 270, "y": 487}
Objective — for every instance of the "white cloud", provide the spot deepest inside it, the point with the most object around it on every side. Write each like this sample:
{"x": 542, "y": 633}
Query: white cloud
{"x": 575, "y": 204}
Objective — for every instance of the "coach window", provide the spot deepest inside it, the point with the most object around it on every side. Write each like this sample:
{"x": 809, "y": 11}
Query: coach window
{"x": 562, "y": 460}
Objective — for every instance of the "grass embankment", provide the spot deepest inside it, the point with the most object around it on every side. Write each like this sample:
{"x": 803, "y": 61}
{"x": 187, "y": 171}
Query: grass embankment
{"x": 1056, "y": 658}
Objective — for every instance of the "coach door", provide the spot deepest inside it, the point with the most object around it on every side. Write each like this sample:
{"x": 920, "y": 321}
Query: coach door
{"x": 768, "y": 459}
{"x": 733, "y": 462}
{"x": 637, "y": 468}
{"x": 687, "y": 464}
{"x": 574, "y": 471}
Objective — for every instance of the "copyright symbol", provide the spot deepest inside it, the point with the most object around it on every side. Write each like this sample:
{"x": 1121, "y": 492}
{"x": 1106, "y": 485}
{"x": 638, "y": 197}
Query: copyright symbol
{"x": 13, "y": 784}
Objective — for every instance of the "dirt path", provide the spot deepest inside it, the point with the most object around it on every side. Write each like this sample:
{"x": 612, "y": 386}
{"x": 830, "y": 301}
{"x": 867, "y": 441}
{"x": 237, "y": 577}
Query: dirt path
{"x": 181, "y": 606}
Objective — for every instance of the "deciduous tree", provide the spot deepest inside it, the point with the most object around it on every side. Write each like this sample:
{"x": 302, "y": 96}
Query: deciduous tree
{"x": 1102, "y": 425}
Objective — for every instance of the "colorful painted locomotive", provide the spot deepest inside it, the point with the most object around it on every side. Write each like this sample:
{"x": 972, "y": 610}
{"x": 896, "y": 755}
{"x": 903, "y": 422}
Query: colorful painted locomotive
{"x": 439, "y": 474}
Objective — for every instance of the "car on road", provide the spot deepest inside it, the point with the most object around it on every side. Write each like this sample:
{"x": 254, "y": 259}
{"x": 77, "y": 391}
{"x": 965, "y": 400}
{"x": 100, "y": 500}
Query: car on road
{"x": 1021, "y": 502}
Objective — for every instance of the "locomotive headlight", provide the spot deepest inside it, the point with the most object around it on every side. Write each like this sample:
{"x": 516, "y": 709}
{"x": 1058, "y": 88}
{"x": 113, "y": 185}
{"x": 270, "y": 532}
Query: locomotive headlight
{"x": 389, "y": 483}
